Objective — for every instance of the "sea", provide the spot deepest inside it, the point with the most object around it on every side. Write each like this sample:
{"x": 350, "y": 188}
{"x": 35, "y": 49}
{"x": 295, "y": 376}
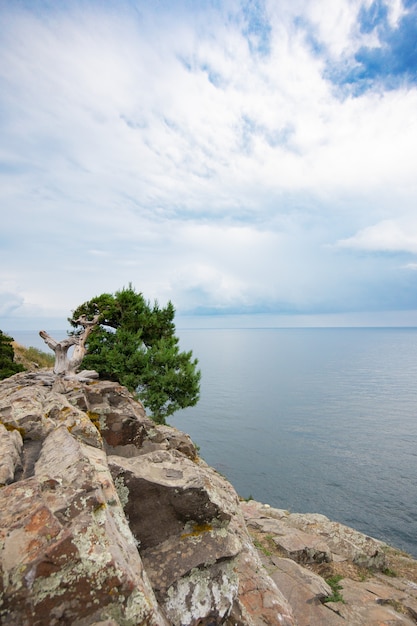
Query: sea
{"x": 311, "y": 420}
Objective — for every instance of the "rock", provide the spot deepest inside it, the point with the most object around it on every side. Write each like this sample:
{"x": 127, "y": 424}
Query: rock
{"x": 173, "y": 439}
{"x": 298, "y": 545}
{"x": 369, "y": 597}
{"x": 304, "y": 548}
{"x": 364, "y": 607}
{"x": 193, "y": 542}
{"x": 344, "y": 542}
{"x": 122, "y": 421}
{"x": 176, "y": 491}
{"x": 66, "y": 549}
{"x": 259, "y": 601}
{"x": 35, "y": 410}
{"x": 304, "y": 591}
{"x": 11, "y": 444}
{"x": 107, "y": 519}
{"x": 324, "y": 540}
{"x": 317, "y": 587}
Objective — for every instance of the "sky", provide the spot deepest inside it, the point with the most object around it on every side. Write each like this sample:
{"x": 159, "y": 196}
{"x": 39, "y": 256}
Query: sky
{"x": 244, "y": 159}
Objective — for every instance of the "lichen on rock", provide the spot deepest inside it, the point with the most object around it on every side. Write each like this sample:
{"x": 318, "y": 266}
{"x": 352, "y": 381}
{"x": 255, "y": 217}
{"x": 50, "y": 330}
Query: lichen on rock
{"x": 109, "y": 520}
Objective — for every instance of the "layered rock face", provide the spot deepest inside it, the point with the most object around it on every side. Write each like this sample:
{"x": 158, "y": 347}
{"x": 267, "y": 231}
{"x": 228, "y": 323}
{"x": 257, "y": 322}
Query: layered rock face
{"x": 109, "y": 520}
{"x": 376, "y": 584}
{"x": 106, "y": 518}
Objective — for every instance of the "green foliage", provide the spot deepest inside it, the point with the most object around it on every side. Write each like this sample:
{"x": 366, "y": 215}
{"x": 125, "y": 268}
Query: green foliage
{"x": 260, "y": 546}
{"x": 389, "y": 572}
{"x": 333, "y": 583}
{"x": 8, "y": 367}
{"x": 135, "y": 345}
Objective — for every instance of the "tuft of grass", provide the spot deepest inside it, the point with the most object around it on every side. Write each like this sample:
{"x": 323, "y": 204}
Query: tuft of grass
{"x": 31, "y": 358}
{"x": 389, "y": 572}
{"x": 259, "y": 546}
{"x": 333, "y": 583}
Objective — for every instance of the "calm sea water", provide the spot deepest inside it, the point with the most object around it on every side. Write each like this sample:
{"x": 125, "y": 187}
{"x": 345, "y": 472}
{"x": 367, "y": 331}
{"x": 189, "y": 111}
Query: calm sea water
{"x": 311, "y": 420}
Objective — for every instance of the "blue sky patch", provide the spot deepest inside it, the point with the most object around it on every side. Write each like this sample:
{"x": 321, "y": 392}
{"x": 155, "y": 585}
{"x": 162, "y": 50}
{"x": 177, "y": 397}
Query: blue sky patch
{"x": 257, "y": 28}
{"x": 390, "y": 64}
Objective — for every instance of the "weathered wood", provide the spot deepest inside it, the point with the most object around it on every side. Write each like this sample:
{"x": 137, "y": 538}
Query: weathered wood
{"x": 60, "y": 348}
{"x": 68, "y": 365}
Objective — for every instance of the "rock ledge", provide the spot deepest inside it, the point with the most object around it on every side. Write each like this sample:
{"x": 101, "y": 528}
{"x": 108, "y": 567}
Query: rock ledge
{"x": 107, "y": 519}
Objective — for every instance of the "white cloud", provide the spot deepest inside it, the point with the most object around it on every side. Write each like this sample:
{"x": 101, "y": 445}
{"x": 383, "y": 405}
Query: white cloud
{"x": 136, "y": 117}
{"x": 158, "y": 149}
{"x": 386, "y": 236}
{"x": 335, "y": 23}
{"x": 9, "y": 303}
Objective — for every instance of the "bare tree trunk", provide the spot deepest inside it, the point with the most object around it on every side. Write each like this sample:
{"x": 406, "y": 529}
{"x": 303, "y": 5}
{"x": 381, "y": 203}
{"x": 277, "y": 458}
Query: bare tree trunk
{"x": 80, "y": 350}
{"x": 68, "y": 366}
{"x": 61, "y": 351}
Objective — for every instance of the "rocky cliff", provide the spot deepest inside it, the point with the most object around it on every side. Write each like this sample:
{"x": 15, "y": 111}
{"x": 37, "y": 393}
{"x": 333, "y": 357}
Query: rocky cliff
{"x": 107, "y": 519}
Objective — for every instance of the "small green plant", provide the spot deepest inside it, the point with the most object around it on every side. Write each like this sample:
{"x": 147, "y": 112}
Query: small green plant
{"x": 389, "y": 572}
{"x": 249, "y": 498}
{"x": 333, "y": 583}
{"x": 261, "y": 547}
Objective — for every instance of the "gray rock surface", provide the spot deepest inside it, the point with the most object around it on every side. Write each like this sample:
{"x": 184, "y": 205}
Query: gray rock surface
{"x": 193, "y": 541}
{"x": 370, "y": 596}
{"x": 67, "y": 553}
{"x": 11, "y": 444}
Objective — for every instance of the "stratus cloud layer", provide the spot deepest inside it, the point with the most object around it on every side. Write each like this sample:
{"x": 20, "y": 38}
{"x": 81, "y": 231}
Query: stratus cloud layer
{"x": 234, "y": 158}
{"x": 386, "y": 236}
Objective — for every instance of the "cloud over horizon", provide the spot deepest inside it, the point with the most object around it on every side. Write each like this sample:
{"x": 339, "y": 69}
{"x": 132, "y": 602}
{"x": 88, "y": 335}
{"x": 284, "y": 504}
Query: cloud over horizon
{"x": 236, "y": 157}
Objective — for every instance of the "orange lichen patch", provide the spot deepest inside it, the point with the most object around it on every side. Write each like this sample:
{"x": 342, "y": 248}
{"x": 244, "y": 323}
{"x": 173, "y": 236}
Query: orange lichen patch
{"x": 34, "y": 546}
{"x": 38, "y": 520}
{"x": 43, "y": 522}
{"x": 94, "y": 418}
{"x": 58, "y": 412}
{"x": 11, "y": 427}
{"x": 197, "y": 530}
